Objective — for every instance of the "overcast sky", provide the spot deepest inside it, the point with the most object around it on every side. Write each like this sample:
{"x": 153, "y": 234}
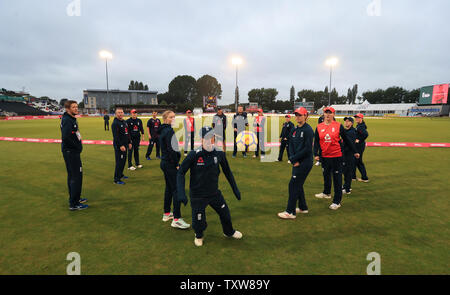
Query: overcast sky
{"x": 283, "y": 43}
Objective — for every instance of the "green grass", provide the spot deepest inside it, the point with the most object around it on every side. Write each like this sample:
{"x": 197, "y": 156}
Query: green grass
{"x": 401, "y": 214}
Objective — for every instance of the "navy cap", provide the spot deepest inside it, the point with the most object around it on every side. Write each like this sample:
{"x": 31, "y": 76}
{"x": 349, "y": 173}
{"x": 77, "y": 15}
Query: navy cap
{"x": 206, "y": 132}
{"x": 349, "y": 118}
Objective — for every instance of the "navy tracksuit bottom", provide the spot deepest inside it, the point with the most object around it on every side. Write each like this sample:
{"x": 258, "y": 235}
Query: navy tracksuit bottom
{"x": 283, "y": 145}
{"x": 106, "y": 125}
{"x": 332, "y": 166}
{"x": 170, "y": 194}
{"x": 74, "y": 176}
{"x": 260, "y": 136}
{"x": 121, "y": 158}
{"x": 189, "y": 137}
{"x": 359, "y": 162}
{"x": 135, "y": 142}
{"x": 151, "y": 143}
{"x": 235, "y": 145}
{"x": 348, "y": 167}
{"x": 217, "y": 202}
{"x": 296, "y": 192}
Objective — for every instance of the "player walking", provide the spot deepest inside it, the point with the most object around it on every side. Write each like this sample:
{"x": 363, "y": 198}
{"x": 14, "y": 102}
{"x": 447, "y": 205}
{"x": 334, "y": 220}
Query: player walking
{"x": 327, "y": 138}
{"x": 170, "y": 158}
{"x": 301, "y": 157}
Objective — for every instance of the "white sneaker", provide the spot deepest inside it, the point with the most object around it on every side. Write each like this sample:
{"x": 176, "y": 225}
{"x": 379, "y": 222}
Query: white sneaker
{"x": 198, "y": 242}
{"x": 167, "y": 217}
{"x": 299, "y": 211}
{"x": 254, "y": 156}
{"x": 180, "y": 223}
{"x": 317, "y": 164}
{"x": 335, "y": 206}
{"x": 322, "y": 196}
{"x": 132, "y": 168}
{"x": 139, "y": 166}
{"x": 344, "y": 192}
{"x": 285, "y": 215}
{"x": 363, "y": 180}
{"x": 237, "y": 235}
{"x": 262, "y": 157}
{"x": 289, "y": 162}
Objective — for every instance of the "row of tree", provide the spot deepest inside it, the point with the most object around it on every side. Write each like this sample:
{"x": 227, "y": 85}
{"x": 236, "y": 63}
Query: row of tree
{"x": 187, "y": 93}
{"x": 136, "y": 85}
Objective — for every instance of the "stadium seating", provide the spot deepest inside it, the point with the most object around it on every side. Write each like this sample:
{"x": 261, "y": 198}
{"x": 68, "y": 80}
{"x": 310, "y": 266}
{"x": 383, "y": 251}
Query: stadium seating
{"x": 20, "y": 109}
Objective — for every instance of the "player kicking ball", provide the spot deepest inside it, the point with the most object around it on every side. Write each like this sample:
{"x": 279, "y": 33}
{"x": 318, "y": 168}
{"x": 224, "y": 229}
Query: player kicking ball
{"x": 204, "y": 186}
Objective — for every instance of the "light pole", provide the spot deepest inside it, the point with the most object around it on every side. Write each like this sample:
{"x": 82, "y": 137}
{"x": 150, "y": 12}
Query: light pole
{"x": 331, "y": 62}
{"x": 236, "y": 61}
{"x": 106, "y": 55}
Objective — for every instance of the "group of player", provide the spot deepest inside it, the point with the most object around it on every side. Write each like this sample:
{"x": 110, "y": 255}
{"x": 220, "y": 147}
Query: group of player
{"x": 331, "y": 144}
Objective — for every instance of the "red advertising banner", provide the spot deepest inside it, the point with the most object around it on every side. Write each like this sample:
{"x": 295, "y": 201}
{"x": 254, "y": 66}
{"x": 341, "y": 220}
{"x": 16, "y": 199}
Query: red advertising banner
{"x": 268, "y": 144}
{"x": 440, "y": 94}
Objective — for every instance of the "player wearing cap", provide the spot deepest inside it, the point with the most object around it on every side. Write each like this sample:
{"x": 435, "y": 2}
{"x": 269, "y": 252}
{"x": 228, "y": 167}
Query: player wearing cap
{"x": 71, "y": 148}
{"x": 153, "y": 125}
{"x": 259, "y": 125}
{"x": 189, "y": 131}
{"x": 219, "y": 124}
{"x": 361, "y": 136}
{"x": 288, "y": 126}
{"x": 327, "y": 138}
{"x": 121, "y": 142}
{"x": 301, "y": 157}
{"x": 204, "y": 186}
{"x": 170, "y": 158}
{"x": 136, "y": 129}
{"x": 240, "y": 122}
{"x": 348, "y": 157}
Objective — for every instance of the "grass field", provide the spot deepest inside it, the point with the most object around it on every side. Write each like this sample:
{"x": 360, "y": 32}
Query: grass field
{"x": 403, "y": 213}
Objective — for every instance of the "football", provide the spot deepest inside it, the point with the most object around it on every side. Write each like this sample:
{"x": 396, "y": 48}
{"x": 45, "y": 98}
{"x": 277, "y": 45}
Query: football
{"x": 246, "y": 138}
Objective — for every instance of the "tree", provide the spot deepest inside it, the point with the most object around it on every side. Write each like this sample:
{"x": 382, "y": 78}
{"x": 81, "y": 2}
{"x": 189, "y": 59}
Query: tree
{"x": 182, "y": 89}
{"x": 292, "y": 96}
{"x": 131, "y": 86}
{"x": 207, "y": 86}
{"x": 140, "y": 86}
{"x": 81, "y": 105}
{"x": 354, "y": 93}
{"x": 265, "y": 97}
{"x": 146, "y": 87}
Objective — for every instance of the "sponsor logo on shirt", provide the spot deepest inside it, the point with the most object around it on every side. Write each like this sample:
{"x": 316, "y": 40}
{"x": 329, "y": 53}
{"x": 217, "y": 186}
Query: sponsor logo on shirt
{"x": 200, "y": 161}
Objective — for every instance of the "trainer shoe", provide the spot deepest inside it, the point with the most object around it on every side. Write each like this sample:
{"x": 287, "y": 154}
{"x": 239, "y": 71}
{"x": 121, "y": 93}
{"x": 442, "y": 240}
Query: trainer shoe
{"x": 245, "y": 155}
{"x": 167, "y": 217}
{"x": 124, "y": 177}
{"x": 300, "y": 211}
{"x": 353, "y": 179}
{"x": 180, "y": 223}
{"x": 363, "y": 180}
{"x": 285, "y": 215}
{"x": 79, "y": 207}
{"x": 83, "y": 201}
{"x": 254, "y": 156}
{"x": 148, "y": 158}
{"x": 132, "y": 168}
{"x": 335, "y": 206}
{"x": 198, "y": 242}
{"x": 119, "y": 182}
{"x": 234, "y": 156}
{"x": 237, "y": 235}
{"x": 262, "y": 157}
{"x": 140, "y": 166}
{"x": 289, "y": 162}
{"x": 322, "y": 196}
{"x": 158, "y": 157}
{"x": 317, "y": 164}
{"x": 344, "y": 192}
